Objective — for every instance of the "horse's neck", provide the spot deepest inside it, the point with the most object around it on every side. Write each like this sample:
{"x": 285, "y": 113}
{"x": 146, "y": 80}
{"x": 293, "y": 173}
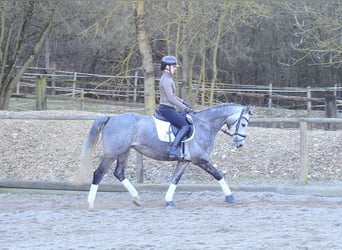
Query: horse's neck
{"x": 217, "y": 116}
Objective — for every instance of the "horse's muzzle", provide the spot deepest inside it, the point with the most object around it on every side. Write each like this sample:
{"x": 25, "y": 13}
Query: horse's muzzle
{"x": 238, "y": 143}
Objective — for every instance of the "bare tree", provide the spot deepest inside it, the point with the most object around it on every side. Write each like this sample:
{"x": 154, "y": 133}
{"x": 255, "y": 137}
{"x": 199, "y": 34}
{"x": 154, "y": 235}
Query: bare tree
{"x": 315, "y": 45}
{"x": 287, "y": 43}
{"x": 318, "y": 33}
{"x": 24, "y": 38}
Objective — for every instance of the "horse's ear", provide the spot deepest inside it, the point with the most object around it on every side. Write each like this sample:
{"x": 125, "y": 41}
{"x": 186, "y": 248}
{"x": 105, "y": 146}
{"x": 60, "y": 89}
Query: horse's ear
{"x": 250, "y": 109}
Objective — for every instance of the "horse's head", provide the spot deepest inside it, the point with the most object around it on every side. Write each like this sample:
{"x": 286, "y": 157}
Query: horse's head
{"x": 237, "y": 126}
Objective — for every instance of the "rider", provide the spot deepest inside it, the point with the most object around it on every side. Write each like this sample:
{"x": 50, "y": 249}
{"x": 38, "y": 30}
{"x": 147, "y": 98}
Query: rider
{"x": 169, "y": 102}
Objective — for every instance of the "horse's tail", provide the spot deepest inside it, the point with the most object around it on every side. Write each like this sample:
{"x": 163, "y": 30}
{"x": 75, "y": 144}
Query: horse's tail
{"x": 89, "y": 144}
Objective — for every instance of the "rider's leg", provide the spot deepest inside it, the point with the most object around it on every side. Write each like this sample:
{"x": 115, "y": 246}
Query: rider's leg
{"x": 180, "y": 122}
{"x": 174, "y": 150}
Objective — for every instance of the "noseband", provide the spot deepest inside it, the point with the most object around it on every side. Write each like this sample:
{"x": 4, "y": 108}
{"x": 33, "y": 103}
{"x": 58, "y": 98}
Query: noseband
{"x": 238, "y": 121}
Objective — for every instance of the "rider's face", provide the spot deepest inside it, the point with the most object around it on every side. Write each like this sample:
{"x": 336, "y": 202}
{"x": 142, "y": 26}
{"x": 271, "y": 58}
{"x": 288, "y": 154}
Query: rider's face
{"x": 172, "y": 68}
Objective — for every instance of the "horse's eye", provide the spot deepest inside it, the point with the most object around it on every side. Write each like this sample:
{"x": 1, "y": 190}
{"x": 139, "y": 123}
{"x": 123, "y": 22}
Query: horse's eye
{"x": 243, "y": 124}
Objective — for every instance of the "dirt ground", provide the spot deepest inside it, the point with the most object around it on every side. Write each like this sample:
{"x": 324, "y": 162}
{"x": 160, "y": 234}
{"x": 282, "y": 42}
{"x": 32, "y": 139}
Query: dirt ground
{"x": 201, "y": 220}
{"x": 46, "y": 150}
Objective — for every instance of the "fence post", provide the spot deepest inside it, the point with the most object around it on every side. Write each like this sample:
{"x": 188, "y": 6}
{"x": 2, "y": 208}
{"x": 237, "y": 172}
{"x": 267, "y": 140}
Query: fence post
{"x": 74, "y": 86}
{"x": 304, "y": 153}
{"x": 18, "y": 88}
{"x": 270, "y": 98}
{"x": 308, "y": 95}
{"x": 53, "y": 79}
{"x": 127, "y": 90}
{"x": 82, "y": 99}
{"x": 140, "y": 168}
{"x": 135, "y": 86}
{"x": 41, "y": 93}
{"x": 330, "y": 111}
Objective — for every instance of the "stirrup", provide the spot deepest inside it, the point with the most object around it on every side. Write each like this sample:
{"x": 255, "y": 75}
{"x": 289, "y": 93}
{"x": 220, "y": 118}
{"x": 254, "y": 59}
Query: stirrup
{"x": 175, "y": 153}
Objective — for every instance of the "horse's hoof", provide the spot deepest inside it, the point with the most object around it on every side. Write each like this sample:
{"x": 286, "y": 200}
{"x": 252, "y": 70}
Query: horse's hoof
{"x": 230, "y": 199}
{"x": 136, "y": 201}
{"x": 170, "y": 204}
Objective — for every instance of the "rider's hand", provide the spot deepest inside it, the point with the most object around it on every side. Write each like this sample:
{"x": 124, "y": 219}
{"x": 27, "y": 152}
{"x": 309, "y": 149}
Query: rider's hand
{"x": 187, "y": 104}
{"x": 188, "y": 110}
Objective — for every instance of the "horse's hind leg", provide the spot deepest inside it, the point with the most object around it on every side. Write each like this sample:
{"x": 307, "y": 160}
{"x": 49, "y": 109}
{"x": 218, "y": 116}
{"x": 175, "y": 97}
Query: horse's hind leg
{"x": 97, "y": 177}
{"x": 119, "y": 173}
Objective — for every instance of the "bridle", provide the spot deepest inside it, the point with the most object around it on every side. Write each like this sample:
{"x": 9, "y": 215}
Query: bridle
{"x": 237, "y": 127}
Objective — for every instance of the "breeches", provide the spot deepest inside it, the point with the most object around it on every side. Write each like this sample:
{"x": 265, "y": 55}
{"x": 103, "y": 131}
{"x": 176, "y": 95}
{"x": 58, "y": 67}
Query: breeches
{"x": 173, "y": 116}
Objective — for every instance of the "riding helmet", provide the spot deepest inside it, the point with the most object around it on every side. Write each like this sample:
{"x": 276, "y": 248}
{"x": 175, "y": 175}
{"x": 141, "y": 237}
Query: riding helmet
{"x": 168, "y": 60}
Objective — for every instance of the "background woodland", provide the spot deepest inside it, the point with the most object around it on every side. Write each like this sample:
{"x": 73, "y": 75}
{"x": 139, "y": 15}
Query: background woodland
{"x": 254, "y": 42}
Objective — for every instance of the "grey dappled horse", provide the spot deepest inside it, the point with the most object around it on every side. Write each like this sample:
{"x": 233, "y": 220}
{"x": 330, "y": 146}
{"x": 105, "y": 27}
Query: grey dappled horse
{"x": 122, "y": 132}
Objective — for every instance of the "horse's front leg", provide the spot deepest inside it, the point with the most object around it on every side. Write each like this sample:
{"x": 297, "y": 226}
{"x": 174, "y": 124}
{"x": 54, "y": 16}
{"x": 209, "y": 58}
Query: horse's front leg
{"x": 180, "y": 168}
{"x": 208, "y": 167}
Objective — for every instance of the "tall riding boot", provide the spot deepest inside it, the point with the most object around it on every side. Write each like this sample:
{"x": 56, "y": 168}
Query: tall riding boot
{"x": 174, "y": 150}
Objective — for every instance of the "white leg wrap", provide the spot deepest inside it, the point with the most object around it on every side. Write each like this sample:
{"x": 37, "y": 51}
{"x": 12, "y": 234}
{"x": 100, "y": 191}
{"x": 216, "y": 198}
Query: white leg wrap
{"x": 170, "y": 192}
{"x": 92, "y": 195}
{"x": 225, "y": 188}
{"x": 131, "y": 189}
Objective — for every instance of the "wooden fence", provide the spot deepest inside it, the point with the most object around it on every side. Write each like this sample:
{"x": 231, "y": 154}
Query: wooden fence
{"x": 304, "y": 149}
{"x": 77, "y": 85}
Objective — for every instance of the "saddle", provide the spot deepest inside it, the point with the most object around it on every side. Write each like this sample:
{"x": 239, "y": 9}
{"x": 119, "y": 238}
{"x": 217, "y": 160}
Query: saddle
{"x": 165, "y": 127}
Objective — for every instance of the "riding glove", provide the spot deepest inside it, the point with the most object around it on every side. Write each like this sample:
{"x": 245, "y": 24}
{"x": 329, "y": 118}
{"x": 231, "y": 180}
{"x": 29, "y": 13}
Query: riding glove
{"x": 188, "y": 111}
{"x": 187, "y": 104}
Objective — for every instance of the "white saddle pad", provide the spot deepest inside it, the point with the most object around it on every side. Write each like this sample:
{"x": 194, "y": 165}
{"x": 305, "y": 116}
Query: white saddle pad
{"x": 164, "y": 130}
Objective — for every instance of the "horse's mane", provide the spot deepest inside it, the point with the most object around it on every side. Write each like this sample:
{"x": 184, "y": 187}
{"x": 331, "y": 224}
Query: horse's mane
{"x": 219, "y": 106}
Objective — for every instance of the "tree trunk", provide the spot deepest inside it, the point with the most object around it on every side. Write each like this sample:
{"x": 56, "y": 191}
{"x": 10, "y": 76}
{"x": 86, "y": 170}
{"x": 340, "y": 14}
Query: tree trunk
{"x": 215, "y": 54}
{"x": 146, "y": 55}
{"x": 202, "y": 77}
{"x": 186, "y": 69}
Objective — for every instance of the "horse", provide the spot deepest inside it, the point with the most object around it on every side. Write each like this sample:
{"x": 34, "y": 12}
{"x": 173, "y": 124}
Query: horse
{"x": 129, "y": 130}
